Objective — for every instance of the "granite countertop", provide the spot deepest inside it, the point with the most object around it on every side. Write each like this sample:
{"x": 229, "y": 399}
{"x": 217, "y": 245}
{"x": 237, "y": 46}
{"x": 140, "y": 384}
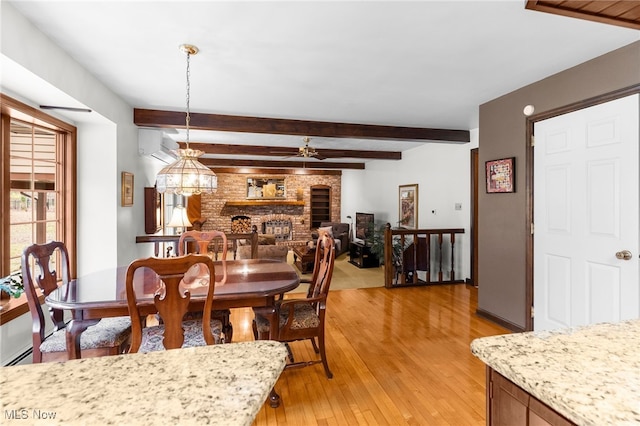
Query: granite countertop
{"x": 223, "y": 384}
{"x": 590, "y": 375}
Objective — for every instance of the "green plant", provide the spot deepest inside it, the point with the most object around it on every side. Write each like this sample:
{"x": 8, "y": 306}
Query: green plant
{"x": 12, "y": 284}
{"x": 375, "y": 241}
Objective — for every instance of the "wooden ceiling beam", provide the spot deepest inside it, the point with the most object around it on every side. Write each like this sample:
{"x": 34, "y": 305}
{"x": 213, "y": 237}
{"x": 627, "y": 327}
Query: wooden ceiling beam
{"x": 233, "y": 123}
{"x": 282, "y": 151}
{"x": 622, "y": 13}
{"x": 221, "y": 162}
{"x": 271, "y": 171}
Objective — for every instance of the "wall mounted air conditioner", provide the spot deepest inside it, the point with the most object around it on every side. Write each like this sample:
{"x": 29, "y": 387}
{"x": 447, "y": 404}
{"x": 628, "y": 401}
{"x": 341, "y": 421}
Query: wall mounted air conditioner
{"x": 153, "y": 143}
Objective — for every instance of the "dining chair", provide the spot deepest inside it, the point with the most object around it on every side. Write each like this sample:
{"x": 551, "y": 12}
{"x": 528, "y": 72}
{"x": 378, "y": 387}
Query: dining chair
{"x": 204, "y": 240}
{"x": 304, "y": 318}
{"x": 110, "y": 336}
{"x": 175, "y": 280}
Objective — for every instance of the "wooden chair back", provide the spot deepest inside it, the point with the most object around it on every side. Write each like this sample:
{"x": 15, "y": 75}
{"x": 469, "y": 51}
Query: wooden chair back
{"x": 46, "y": 280}
{"x": 204, "y": 239}
{"x": 316, "y": 296}
{"x": 172, "y": 297}
{"x": 304, "y": 318}
{"x": 322, "y": 267}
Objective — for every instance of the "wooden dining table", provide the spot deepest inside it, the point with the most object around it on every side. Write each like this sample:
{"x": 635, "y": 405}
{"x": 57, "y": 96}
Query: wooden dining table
{"x": 250, "y": 283}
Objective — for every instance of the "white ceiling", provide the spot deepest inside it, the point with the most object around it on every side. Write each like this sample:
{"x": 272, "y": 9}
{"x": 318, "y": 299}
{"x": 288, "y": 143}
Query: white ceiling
{"x": 415, "y": 63}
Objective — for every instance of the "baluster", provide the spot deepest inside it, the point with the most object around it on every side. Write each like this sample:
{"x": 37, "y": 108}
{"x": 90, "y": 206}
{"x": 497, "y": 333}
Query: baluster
{"x": 403, "y": 243}
{"x": 416, "y": 242}
{"x": 440, "y": 257}
{"x": 427, "y": 238}
{"x": 452, "y": 236}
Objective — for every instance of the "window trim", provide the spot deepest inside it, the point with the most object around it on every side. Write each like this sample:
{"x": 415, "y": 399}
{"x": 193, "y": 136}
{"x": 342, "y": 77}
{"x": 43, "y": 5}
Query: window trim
{"x": 14, "y": 109}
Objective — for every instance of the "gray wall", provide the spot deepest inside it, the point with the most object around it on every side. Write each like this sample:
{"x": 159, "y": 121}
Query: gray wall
{"x": 502, "y": 218}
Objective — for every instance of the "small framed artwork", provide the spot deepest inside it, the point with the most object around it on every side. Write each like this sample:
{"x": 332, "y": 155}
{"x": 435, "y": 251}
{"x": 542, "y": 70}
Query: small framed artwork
{"x": 127, "y": 189}
{"x": 408, "y": 206}
{"x": 265, "y": 187}
{"x": 501, "y": 175}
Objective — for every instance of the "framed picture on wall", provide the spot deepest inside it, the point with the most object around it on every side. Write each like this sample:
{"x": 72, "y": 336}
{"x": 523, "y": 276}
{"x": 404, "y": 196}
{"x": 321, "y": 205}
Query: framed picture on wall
{"x": 127, "y": 189}
{"x": 501, "y": 175}
{"x": 408, "y": 206}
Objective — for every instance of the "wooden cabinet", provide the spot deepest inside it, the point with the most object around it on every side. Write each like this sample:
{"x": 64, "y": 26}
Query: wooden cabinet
{"x": 152, "y": 210}
{"x": 320, "y": 205}
{"x": 510, "y": 405}
{"x": 361, "y": 256}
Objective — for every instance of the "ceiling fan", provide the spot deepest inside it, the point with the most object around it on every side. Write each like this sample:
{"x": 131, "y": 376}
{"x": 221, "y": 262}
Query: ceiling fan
{"x": 307, "y": 151}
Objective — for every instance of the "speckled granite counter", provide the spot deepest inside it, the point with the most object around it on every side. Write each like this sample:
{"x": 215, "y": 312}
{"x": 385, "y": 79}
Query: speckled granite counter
{"x": 220, "y": 384}
{"x": 590, "y": 375}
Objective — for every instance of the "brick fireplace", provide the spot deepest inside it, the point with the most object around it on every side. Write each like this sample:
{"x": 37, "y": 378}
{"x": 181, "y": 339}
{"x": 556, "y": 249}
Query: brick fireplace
{"x": 230, "y": 200}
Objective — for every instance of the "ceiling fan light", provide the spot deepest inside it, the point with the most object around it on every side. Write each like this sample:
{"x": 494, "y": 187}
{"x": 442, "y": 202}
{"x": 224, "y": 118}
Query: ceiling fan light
{"x": 187, "y": 176}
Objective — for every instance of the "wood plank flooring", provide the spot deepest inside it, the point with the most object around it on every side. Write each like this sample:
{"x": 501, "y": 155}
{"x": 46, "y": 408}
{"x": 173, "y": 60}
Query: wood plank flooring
{"x": 399, "y": 357}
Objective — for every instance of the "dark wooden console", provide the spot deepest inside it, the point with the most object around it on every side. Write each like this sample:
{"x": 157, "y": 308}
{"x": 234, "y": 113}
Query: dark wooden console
{"x": 361, "y": 256}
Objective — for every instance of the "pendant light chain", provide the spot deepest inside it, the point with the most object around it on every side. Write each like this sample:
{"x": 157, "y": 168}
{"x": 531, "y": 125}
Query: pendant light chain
{"x": 188, "y": 119}
{"x": 187, "y": 176}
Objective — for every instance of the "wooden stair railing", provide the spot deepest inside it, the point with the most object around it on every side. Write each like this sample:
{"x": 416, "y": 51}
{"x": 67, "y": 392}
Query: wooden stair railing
{"x": 419, "y": 250}
{"x": 251, "y": 237}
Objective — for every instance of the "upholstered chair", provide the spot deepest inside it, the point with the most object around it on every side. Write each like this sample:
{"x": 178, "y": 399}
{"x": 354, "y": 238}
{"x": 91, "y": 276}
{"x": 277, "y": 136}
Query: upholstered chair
{"x": 218, "y": 241}
{"x": 110, "y": 336}
{"x": 304, "y": 318}
{"x": 175, "y": 283}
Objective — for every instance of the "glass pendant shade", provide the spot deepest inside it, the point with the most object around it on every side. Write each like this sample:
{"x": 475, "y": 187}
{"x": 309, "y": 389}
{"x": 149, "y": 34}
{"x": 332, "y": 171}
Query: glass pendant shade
{"x": 187, "y": 176}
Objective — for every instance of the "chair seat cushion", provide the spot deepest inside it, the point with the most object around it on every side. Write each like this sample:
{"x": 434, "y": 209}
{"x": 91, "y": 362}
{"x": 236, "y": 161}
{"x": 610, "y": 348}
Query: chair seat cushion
{"x": 108, "y": 332}
{"x": 304, "y": 316}
{"x": 193, "y": 336}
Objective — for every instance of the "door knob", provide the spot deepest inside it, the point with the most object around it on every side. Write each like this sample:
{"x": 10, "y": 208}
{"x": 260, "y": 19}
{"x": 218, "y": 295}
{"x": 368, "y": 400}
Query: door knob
{"x": 624, "y": 255}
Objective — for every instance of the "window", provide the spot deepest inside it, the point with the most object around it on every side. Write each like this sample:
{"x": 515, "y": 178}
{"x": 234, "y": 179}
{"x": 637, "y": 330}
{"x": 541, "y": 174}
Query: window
{"x": 38, "y": 181}
{"x": 33, "y": 216}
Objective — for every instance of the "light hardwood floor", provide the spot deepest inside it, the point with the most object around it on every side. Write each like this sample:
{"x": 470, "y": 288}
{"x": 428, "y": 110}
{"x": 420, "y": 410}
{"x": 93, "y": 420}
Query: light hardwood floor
{"x": 399, "y": 357}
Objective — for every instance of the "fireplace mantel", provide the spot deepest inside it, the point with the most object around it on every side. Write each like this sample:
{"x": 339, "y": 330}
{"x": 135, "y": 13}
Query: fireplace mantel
{"x": 244, "y": 203}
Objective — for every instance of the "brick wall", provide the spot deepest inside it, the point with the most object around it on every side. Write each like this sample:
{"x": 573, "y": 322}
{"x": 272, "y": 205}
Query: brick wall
{"x": 233, "y": 187}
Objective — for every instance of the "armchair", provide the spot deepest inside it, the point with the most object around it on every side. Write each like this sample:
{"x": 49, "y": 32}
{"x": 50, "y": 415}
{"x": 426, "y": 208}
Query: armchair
{"x": 338, "y": 231}
{"x": 304, "y": 318}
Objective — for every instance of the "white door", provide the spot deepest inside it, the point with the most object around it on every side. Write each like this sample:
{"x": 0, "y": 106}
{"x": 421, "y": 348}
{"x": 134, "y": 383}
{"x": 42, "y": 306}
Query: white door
{"x": 585, "y": 211}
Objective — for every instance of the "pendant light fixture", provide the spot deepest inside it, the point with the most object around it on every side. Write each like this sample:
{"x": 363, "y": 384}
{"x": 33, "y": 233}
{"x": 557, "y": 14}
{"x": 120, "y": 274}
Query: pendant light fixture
{"x": 187, "y": 176}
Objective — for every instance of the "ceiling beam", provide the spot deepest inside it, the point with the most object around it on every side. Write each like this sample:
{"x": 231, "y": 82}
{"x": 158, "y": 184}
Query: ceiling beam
{"x": 270, "y": 171}
{"x": 623, "y": 13}
{"x": 233, "y": 123}
{"x": 282, "y": 151}
{"x": 221, "y": 162}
